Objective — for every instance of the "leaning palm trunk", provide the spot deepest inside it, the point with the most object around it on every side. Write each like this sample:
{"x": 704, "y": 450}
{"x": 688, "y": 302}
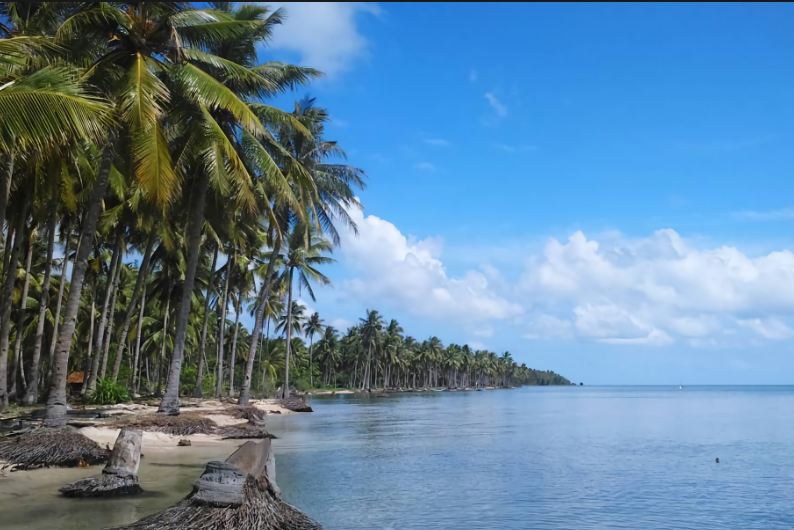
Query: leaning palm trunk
{"x": 95, "y": 362}
{"x": 111, "y": 317}
{"x": 5, "y": 188}
{"x": 135, "y": 377}
{"x": 245, "y": 392}
{"x": 142, "y": 272}
{"x": 56, "y": 401}
{"x": 224, "y": 302}
{"x": 198, "y": 389}
{"x": 170, "y": 403}
{"x": 234, "y": 345}
{"x": 23, "y": 303}
{"x": 285, "y": 393}
{"x": 57, "y": 321}
{"x": 90, "y": 345}
{"x": 32, "y": 393}
{"x": 6, "y": 298}
{"x": 162, "y": 349}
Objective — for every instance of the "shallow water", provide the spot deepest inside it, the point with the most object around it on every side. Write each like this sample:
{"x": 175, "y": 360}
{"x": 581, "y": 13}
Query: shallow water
{"x": 539, "y": 458}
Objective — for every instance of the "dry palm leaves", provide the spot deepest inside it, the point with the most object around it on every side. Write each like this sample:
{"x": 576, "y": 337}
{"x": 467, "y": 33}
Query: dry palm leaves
{"x": 185, "y": 424}
{"x": 239, "y": 494}
{"x": 245, "y": 413}
{"x": 295, "y": 405}
{"x": 48, "y": 447}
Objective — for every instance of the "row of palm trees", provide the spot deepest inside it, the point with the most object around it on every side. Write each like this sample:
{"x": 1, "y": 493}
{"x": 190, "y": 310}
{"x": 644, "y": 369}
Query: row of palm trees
{"x": 148, "y": 192}
{"x": 375, "y": 354}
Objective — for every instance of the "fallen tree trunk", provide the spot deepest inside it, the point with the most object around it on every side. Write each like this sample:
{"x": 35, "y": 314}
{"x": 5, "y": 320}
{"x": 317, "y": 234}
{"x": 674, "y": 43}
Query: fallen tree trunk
{"x": 120, "y": 476}
{"x": 238, "y": 494}
{"x": 47, "y": 446}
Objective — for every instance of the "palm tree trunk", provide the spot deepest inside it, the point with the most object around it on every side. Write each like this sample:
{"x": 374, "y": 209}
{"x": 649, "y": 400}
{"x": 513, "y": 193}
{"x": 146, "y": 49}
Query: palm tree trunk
{"x": 95, "y": 362}
{"x": 234, "y": 345}
{"x": 311, "y": 351}
{"x": 135, "y": 377}
{"x": 158, "y": 393}
{"x": 264, "y": 293}
{"x": 198, "y": 389}
{"x": 57, "y": 321}
{"x": 5, "y": 189}
{"x": 56, "y": 400}
{"x": 139, "y": 281}
{"x": 170, "y": 403}
{"x": 111, "y": 319}
{"x": 23, "y": 303}
{"x": 6, "y": 299}
{"x": 32, "y": 394}
{"x": 90, "y": 345}
{"x": 222, "y": 329}
{"x": 285, "y": 392}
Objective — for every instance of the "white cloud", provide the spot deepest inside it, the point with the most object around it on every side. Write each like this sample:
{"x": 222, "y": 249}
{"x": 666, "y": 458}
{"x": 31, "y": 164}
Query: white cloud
{"x": 427, "y": 166}
{"x": 437, "y": 141}
{"x": 505, "y": 148}
{"x": 500, "y": 109}
{"x": 406, "y": 273}
{"x": 325, "y": 34}
{"x": 770, "y": 328}
{"x": 473, "y": 75}
{"x": 652, "y": 290}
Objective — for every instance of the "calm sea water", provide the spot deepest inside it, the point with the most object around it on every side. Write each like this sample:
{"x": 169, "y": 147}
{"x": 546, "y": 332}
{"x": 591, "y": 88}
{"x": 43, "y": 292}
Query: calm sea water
{"x": 534, "y": 458}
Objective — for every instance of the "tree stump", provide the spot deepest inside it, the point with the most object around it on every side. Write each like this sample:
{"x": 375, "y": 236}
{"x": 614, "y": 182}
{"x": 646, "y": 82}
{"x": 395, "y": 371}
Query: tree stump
{"x": 120, "y": 476}
{"x": 238, "y": 494}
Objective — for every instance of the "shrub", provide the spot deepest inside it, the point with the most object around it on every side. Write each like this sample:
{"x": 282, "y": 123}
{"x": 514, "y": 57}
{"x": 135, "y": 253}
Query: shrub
{"x": 108, "y": 393}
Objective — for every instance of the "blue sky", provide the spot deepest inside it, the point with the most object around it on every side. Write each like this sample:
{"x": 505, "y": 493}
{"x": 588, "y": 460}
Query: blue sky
{"x": 602, "y": 190}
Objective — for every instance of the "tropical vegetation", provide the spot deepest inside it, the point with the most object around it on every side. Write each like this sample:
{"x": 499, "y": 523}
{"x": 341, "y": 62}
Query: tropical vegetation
{"x": 151, "y": 197}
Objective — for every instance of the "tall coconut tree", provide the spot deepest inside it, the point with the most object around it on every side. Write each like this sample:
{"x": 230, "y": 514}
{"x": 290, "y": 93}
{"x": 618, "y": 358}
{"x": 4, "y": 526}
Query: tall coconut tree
{"x": 304, "y": 253}
{"x": 313, "y": 326}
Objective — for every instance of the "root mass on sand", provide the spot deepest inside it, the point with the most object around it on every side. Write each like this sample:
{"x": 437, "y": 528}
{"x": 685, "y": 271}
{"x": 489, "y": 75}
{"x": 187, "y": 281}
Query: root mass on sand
{"x": 120, "y": 476}
{"x": 51, "y": 447}
{"x": 238, "y": 494}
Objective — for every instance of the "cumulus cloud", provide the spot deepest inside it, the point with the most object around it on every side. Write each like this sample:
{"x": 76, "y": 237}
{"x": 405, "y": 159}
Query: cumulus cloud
{"x": 656, "y": 289}
{"x": 409, "y": 274}
{"x": 325, "y": 34}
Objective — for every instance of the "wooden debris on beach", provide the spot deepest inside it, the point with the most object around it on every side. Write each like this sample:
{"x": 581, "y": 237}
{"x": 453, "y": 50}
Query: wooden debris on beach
{"x": 120, "y": 476}
{"x": 184, "y": 442}
{"x": 51, "y": 447}
{"x": 185, "y": 424}
{"x": 238, "y": 494}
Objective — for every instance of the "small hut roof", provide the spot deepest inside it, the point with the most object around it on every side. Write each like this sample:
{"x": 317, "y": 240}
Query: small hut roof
{"x": 75, "y": 377}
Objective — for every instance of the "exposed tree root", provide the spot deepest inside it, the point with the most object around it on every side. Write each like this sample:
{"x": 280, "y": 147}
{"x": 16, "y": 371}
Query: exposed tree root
{"x": 239, "y": 494}
{"x": 245, "y": 413}
{"x": 102, "y": 486}
{"x": 51, "y": 447}
{"x": 295, "y": 405}
{"x": 120, "y": 476}
{"x": 183, "y": 425}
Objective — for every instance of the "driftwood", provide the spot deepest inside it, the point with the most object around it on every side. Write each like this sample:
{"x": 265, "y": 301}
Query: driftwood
{"x": 120, "y": 476}
{"x": 238, "y": 494}
{"x": 47, "y": 447}
{"x": 295, "y": 405}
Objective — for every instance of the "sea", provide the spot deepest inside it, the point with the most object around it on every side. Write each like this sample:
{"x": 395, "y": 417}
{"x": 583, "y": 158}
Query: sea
{"x": 547, "y": 458}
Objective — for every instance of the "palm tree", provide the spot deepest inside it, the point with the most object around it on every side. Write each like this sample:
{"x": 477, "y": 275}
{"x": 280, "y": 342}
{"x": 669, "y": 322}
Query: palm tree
{"x": 311, "y": 327}
{"x": 303, "y": 254}
{"x": 371, "y": 328}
